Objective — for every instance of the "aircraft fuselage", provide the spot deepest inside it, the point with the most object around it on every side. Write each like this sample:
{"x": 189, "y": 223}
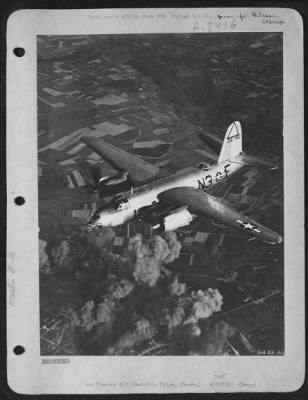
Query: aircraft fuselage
{"x": 118, "y": 212}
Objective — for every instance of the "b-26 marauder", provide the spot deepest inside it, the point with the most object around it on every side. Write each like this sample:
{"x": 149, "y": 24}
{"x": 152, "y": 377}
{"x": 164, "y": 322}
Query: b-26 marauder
{"x": 171, "y": 202}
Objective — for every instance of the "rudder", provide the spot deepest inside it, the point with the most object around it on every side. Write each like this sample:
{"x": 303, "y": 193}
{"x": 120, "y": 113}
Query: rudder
{"x": 232, "y": 144}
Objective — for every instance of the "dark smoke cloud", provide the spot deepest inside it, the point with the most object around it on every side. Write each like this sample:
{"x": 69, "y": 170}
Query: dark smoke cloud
{"x": 176, "y": 288}
{"x": 205, "y": 304}
{"x": 100, "y": 238}
{"x": 150, "y": 255}
{"x": 120, "y": 302}
{"x": 213, "y": 338}
{"x": 60, "y": 255}
{"x": 143, "y": 331}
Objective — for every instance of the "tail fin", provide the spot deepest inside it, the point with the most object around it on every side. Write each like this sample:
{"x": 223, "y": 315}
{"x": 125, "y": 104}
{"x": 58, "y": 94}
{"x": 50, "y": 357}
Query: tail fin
{"x": 232, "y": 144}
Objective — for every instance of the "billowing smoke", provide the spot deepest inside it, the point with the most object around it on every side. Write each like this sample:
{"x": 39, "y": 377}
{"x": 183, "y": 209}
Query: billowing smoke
{"x": 183, "y": 311}
{"x": 213, "y": 338}
{"x": 78, "y": 251}
{"x": 120, "y": 303}
{"x": 159, "y": 249}
{"x": 146, "y": 271}
{"x": 205, "y": 304}
{"x": 104, "y": 310}
{"x": 142, "y": 332}
{"x": 90, "y": 314}
{"x": 100, "y": 238}
{"x": 174, "y": 319}
{"x": 149, "y": 256}
{"x": 85, "y": 318}
{"x": 174, "y": 247}
{"x": 176, "y": 288}
{"x": 60, "y": 255}
{"x": 120, "y": 288}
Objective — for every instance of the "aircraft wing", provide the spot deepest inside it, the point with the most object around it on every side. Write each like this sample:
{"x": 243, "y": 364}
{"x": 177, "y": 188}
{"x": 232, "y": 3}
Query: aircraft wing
{"x": 139, "y": 171}
{"x": 203, "y": 204}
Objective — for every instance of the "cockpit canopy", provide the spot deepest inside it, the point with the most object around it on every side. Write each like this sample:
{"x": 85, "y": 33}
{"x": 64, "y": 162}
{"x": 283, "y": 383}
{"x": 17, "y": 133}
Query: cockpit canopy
{"x": 117, "y": 204}
{"x": 204, "y": 166}
{"x": 94, "y": 217}
{"x": 120, "y": 203}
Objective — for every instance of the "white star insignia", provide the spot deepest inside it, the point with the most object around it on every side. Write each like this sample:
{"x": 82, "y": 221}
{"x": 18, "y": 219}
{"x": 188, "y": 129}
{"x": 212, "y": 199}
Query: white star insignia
{"x": 248, "y": 225}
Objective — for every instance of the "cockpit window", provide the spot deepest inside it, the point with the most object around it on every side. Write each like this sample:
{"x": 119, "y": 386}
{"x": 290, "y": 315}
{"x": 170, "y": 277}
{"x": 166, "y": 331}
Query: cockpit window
{"x": 121, "y": 203}
{"x": 204, "y": 166}
{"x": 94, "y": 217}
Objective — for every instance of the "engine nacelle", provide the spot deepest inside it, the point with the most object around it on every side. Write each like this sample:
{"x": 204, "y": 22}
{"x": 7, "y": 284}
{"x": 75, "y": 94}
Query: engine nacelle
{"x": 110, "y": 185}
{"x": 113, "y": 180}
{"x": 177, "y": 219}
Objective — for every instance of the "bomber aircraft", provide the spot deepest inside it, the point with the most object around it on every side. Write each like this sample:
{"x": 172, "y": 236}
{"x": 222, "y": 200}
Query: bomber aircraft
{"x": 171, "y": 202}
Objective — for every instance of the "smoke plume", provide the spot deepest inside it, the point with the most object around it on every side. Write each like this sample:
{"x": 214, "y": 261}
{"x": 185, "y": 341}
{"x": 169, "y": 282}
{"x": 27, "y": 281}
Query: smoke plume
{"x": 176, "y": 288}
{"x": 100, "y": 238}
{"x": 174, "y": 247}
{"x": 120, "y": 302}
{"x": 60, "y": 255}
{"x": 149, "y": 256}
{"x": 205, "y": 304}
{"x": 143, "y": 331}
{"x": 214, "y": 334}
{"x": 120, "y": 288}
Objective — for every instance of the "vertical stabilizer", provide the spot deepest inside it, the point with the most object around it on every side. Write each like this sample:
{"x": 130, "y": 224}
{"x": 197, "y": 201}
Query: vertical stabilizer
{"x": 232, "y": 144}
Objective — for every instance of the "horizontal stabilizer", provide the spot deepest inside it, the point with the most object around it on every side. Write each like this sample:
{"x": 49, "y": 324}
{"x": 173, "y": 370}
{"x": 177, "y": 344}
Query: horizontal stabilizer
{"x": 254, "y": 161}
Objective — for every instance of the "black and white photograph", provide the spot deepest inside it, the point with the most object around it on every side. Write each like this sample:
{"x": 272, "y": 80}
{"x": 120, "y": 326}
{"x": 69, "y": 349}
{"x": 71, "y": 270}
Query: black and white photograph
{"x": 160, "y": 165}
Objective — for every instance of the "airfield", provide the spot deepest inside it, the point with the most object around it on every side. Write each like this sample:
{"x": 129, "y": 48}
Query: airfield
{"x": 152, "y": 95}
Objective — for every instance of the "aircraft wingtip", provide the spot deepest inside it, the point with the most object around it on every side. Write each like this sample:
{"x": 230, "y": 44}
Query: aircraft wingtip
{"x": 280, "y": 239}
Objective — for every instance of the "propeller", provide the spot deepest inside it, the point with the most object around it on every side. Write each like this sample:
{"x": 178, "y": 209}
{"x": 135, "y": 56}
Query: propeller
{"x": 96, "y": 173}
{"x": 92, "y": 176}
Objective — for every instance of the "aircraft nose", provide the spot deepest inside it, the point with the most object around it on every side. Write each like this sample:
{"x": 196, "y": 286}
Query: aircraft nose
{"x": 105, "y": 218}
{"x": 93, "y": 219}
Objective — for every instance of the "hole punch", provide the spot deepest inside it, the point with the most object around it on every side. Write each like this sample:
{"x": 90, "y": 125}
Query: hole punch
{"x": 19, "y": 51}
{"x": 19, "y": 200}
{"x": 18, "y": 350}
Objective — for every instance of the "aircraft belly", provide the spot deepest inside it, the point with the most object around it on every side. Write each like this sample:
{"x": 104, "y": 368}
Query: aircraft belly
{"x": 193, "y": 178}
{"x": 149, "y": 195}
